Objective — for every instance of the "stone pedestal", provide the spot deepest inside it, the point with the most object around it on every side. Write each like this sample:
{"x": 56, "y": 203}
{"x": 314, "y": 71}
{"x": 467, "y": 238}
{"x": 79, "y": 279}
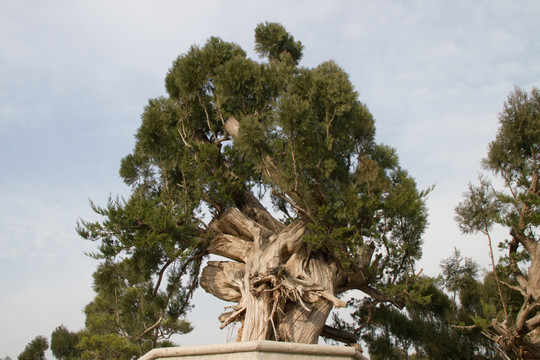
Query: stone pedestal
{"x": 256, "y": 350}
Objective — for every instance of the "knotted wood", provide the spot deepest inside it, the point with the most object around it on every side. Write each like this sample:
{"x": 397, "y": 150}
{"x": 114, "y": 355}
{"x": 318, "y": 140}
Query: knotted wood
{"x": 283, "y": 290}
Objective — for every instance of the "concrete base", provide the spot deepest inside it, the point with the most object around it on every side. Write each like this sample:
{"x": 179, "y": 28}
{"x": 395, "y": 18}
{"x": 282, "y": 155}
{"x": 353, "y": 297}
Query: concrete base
{"x": 256, "y": 350}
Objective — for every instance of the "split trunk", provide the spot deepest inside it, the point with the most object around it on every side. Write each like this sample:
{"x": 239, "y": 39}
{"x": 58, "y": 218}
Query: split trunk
{"x": 283, "y": 291}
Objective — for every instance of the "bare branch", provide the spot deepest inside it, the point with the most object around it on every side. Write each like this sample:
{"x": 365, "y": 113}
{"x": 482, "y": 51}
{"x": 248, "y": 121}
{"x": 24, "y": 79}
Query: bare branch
{"x": 147, "y": 330}
{"x": 206, "y": 115}
{"x": 229, "y": 317}
{"x": 160, "y": 275}
{"x": 338, "y": 303}
{"x": 464, "y": 327}
{"x": 486, "y": 232}
{"x": 380, "y": 297}
{"x": 339, "y": 335}
{"x": 522, "y": 280}
{"x": 522, "y": 290}
{"x": 183, "y": 135}
{"x": 235, "y": 223}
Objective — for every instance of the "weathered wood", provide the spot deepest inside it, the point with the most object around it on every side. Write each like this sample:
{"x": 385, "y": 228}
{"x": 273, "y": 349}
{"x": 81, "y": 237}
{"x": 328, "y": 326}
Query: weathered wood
{"x": 252, "y": 207}
{"x": 304, "y": 325}
{"x": 305, "y": 319}
{"x": 284, "y": 290}
{"x": 223, "y": 279}
{"x": 234, "y": 222}
{"x": 232, "y": 126}
{"x": 281, "y": 247}
{"x": 231, "y": 247}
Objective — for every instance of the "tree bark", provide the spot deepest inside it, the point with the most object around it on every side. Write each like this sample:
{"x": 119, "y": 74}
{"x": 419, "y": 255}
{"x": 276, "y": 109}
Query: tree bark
{"x": 283, "y": 290}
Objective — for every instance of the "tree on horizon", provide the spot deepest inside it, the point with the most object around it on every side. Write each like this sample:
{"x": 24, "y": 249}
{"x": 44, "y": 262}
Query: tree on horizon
{"x": 35, "y": 349}
{"x": 514, "y": 158}
{"x": 273, "y": 166}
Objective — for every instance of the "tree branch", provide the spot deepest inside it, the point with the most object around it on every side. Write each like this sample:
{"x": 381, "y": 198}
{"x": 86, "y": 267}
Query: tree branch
{"x": 147, "y": 330}
{"x": 486, "y": 232}
{"x": 339, "y": 335}
{"x": 522, "y": 280}
{"x": 160, "y": 275}
{"x": 529, "y": 304}
{"x": 528, "y": 243}
{"x": 464, "y": 327}
{"x": 236, "y": 223}
{"x": 232, "y": 126}
{"x": 249, "y": 205}
{"x": 522, "y": 290}
{"x": 380, "y": 297}
{"x": 533, "y": 322}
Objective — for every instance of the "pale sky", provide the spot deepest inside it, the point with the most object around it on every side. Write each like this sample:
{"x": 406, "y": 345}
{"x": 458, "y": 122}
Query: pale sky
{"x": 75, "y": 76}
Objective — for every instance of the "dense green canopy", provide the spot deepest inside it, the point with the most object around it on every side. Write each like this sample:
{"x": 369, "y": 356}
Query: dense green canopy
{"x": 235, "y": 132}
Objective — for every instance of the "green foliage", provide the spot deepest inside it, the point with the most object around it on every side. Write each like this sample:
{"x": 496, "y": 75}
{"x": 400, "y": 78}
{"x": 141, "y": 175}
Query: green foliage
{"x": 514, "y": 157}
{"x": 514, "y": 152}
{"x": 433, "y": 325}
{"x": 479, "y": 210}
{"x": 64, "y": 344}
{"x": 35, "y": 350}
{"x": 475, "y": 300}
{"x": 455, "y": 275}
{"x": 427, "y": 328}
{"x": 480, "y": 301}
{"x": 273, "y": 41}
{"x": 145, "y": 251}
{"x": 304, "y": 138}
{"x": 107, "y": 347}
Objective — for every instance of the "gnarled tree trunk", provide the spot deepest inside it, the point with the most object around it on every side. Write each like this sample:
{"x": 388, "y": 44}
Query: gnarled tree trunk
{"x": 283, "y": 290}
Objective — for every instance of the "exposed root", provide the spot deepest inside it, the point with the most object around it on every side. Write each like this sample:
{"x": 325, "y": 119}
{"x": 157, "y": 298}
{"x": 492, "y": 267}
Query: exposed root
{"x": 232, "y": 316}
{"x": 276, "y": 299}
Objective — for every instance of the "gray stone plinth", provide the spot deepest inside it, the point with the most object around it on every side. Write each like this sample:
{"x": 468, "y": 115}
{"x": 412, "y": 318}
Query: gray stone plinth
{"x": 256, "y": 350}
